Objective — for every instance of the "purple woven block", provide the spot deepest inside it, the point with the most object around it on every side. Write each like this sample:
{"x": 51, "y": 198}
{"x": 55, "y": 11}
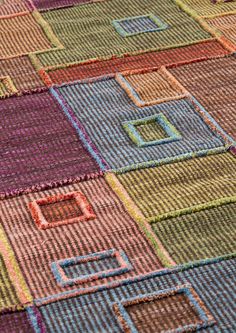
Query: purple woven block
{"x": 15, "y": 322}
{"x": 38, "y": 146}
{"x": 50, "y": 4}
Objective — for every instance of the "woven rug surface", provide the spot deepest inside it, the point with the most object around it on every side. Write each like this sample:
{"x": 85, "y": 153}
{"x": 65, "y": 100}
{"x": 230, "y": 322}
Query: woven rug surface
{"x": 117, "y": 166}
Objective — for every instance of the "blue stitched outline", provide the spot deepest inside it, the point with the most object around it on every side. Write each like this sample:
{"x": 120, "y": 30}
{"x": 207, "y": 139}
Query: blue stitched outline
{"x": 137, "y": 278}
{"x": 60, "y": 264}
{"x": 121, "y": 31}
{"x": 204, "y": 321}
{"x": 170, "y": 130}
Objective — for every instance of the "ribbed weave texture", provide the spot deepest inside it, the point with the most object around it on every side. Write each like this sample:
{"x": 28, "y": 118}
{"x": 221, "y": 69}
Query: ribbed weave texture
{"x": 15, "y": 322}
{"x": 53, "y": 4}
{"x": 73, "y": 26}
{"x": 227, "y": 25}
{"x": 117, "y": 166}
{"x": 22, "y": 73}
{"x": 113, "y": 228}
{"x": 217, "y": 75}
{"x": 218, "y": 278}
{"x": 38, "y": 144}
{"x": 174, "y": 187}
{"x": 103, "y": 106}
{"x": 207, "y": 8}
{"x": 8, "y": 294}
{"x": 21, "y": 35}
{"x": 206, "y": 234}
{"x": 154, "y": 59}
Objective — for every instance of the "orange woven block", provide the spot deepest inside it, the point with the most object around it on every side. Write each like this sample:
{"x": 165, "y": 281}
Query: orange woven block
{"x": 149, "y": 88}
{"x": 21, "y": 35}
{"x": 11, "y": 7}
{"x": 227, "y": 25}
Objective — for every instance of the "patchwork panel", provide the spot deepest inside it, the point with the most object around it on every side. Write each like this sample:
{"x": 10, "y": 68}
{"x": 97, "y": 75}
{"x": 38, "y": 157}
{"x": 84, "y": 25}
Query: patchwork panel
{"x": 177, "y": 188}
{"x": 149, "y": 313}
{"x": 21, "y": 35}
{"x": 227, "y": 25}
{"x": 73, "y": 25}
{"x": 39, "y": 146}
{"x": 64, "y": 243}
{"x": 75, "y": 72}
{"x": 104, "y": 123}
{"x": 203, "y": 78}
{"x": 205, "y": 234}
{"x": 203, "y": 280}
{"x": 21, "y": 72}
{"x": 152, "y": 87}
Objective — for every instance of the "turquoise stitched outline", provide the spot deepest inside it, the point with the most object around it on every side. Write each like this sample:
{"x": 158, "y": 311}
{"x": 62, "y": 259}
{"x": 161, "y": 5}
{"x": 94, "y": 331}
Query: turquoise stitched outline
{"x": 57, "y": 267}
{"x": 159, "y": 23}
{"x": 170, "y": 130}
{"x": 204, "y": 320}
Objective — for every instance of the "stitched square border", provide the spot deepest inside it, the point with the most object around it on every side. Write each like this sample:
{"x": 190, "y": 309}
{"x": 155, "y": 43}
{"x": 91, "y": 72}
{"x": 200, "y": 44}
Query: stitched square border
{"x": 156, "y": 21}
{"x": 61, "y": 278}
{"x": 81, "y": 200}
{"x": 135, "y": 96}
{"x": 205, "y": 318}
{"x": 160, "y": 119}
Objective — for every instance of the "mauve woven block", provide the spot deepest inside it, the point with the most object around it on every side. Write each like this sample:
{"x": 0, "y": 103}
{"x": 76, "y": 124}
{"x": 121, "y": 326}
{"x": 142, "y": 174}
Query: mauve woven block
{"x": 38, "y": 145}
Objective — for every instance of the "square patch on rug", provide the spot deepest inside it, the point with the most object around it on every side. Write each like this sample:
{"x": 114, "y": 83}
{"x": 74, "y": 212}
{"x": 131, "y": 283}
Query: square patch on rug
{"x": 131, "y": 26}
{"x": 39, "y": 146}
{"x": 60, "y": 258}
{"x": 172, "y": 310}
{"x": 103, "y": 108}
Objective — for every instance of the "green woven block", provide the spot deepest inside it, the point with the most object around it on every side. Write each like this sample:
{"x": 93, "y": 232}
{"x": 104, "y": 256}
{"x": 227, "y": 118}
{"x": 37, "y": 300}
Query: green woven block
{"x": 8, "y": 297}
{"x": 87, "y": 31}
{"x": 206, "y": 234}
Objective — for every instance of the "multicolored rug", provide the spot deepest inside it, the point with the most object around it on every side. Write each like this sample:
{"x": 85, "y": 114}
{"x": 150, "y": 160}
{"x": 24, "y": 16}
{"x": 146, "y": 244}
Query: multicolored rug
{"x": 117, "y": 166}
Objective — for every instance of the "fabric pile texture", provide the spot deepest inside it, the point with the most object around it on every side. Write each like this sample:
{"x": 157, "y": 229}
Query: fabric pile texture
{"x": 117, "y": 166}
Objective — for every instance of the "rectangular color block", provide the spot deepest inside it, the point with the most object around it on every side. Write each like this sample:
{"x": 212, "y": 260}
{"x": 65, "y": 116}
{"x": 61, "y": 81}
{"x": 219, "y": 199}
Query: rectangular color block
{"x": 103, "y": 107}
{"x": 36, "y": 249}
{"x": 205, "y": 234}
{"x": 172, "y": 310}
{"x": 73, "y": 25}
{"x": 21, "y": 35}
{"x": 177, "y": 188}
{"x": 152, "y": 59}
{"x": 205, "y": 280}
{"x": 39, "y": 146}
{"x": 213, "y": 84}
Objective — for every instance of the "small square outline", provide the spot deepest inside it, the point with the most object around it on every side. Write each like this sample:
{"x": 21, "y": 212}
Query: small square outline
{"x": 134, "y": 95}
{"x": 170, "y": 130}
{"x": 64, "y": 281}
{"x": 206, "y": 319}
{"x": 81, "y": 200}
{"x": 159, "y": 23}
